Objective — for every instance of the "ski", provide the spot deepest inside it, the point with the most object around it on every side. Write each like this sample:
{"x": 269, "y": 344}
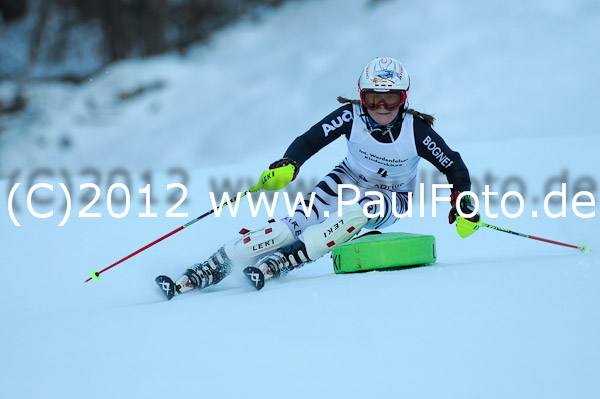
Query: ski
{"x": 255, "y": 277}
{"x": 167, "y": 286}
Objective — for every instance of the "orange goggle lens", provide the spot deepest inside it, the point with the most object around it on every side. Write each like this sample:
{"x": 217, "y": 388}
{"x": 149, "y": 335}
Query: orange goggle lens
{"x": 391, "y": 100}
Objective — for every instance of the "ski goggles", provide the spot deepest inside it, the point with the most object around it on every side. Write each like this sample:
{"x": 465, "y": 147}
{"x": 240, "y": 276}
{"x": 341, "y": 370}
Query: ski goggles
{"x": 390, "y": 100}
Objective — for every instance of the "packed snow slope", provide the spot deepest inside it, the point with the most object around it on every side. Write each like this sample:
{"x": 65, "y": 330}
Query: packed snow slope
{"x": 497, "y": 316}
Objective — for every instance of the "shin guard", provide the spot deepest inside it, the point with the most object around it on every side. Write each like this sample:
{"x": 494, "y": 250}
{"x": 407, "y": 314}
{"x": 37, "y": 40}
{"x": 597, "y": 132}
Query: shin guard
{"x": 319, "y": 238}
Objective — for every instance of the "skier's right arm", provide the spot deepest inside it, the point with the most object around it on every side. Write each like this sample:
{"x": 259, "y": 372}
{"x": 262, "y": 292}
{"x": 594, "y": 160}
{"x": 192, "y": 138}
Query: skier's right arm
{"x": 330, "y": 128}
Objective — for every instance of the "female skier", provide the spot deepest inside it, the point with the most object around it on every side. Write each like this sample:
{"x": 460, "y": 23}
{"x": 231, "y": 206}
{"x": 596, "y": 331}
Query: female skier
{"x": 386, "y": 140}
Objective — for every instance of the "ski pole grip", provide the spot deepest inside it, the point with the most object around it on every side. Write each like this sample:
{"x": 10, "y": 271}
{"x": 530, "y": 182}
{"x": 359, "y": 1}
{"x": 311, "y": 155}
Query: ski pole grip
{"x": 275, "y": 179}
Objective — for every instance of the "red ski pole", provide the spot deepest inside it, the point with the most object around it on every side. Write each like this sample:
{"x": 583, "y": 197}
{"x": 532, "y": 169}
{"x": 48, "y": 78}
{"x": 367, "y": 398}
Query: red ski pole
{"x": 582, "y": 248}
{"x": 96, "y": 275}
{"x": 274, "y": 179}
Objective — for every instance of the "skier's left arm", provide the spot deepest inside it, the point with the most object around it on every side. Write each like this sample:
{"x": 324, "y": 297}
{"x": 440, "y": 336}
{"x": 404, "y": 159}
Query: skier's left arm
{"x": 433, "y": 148}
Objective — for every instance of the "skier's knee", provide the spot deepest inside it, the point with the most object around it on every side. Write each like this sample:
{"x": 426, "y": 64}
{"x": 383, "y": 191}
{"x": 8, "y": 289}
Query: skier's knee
{"x": 336, "y": 229}
{"x": 252, "y": 246}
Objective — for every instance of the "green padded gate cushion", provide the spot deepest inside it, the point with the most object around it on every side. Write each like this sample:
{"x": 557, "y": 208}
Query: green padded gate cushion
{"x": 383, "y": 251}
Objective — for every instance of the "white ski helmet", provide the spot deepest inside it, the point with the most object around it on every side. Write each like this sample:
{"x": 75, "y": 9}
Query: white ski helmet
{"x": 384, "y": 74}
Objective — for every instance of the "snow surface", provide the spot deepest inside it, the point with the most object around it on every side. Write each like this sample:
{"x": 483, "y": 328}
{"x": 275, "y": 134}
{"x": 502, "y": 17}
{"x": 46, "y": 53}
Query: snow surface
{"x": 496, "y": 316}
